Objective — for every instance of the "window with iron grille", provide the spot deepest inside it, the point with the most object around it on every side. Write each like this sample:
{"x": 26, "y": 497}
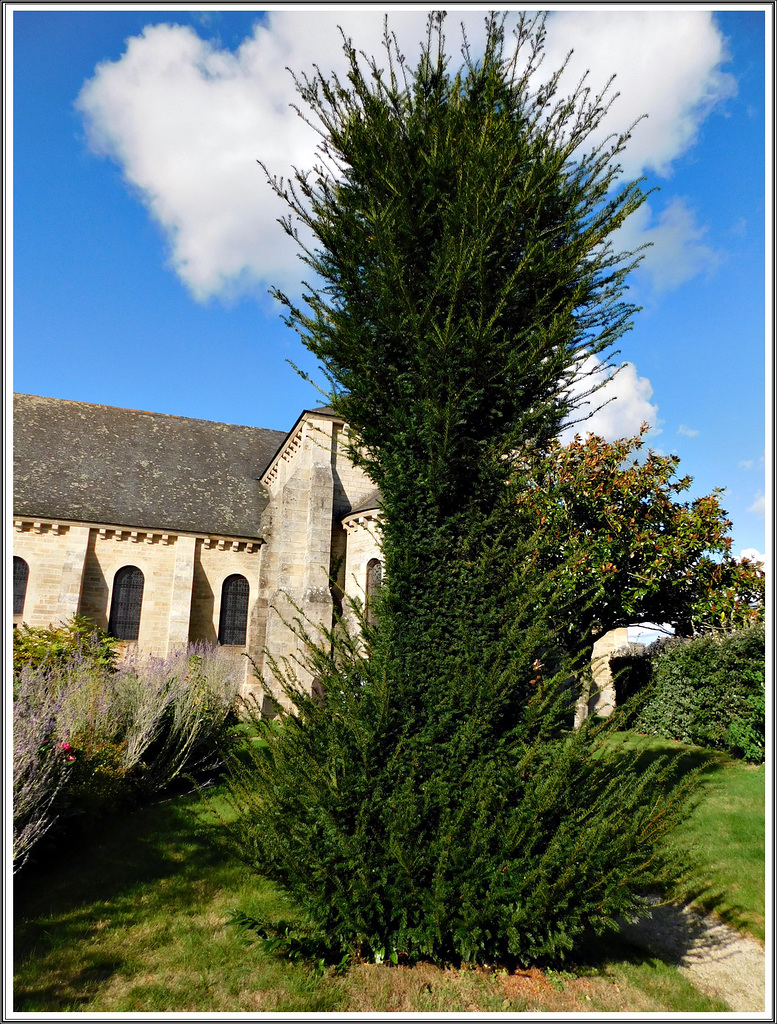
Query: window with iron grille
{"x": 126, "y": 602}
{"x": 374, "y": 583}
{"x": 233, "y": 619}
{"x": 21, "y": 572}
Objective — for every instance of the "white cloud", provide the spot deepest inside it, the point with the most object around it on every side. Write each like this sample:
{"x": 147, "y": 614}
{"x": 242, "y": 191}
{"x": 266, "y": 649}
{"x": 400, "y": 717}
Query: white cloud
{"x": 687, "y": 431}
{"x": 753, "y": 554}
{"x": 759, "y": 505}
{"x": 667, "y": 65}
{"x": 187, "y": 121}
{"x": 746, "y": 464}
{"x": 618, "y": 409}
{"x": 677, "y": 250}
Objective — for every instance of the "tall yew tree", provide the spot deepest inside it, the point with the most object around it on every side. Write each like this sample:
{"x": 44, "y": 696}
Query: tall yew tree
{"x": 461, "y": 235}
{"x": 426, "y": 800}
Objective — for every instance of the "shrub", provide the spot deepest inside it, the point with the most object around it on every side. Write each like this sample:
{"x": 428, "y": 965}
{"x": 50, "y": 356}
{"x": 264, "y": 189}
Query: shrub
{"x": 39, "y": 765}
{"x": 88, "y": 739}
{"x": 176, "y": 710}
{"x": 98, "y": 781}
{"x": 746, "y": 735}
{"x": 56, "y": 646}
{"x": 631, "y": 668}
{"x": 489, "y": 833}
{"x": 710, "y": 691}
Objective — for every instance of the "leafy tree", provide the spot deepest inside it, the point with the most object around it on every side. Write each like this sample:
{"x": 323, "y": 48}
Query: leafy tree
{"x": 625, "y": 538}
{"x": 425, "y": 800}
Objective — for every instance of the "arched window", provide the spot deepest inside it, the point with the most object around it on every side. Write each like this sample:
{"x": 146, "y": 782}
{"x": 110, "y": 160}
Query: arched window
{"x": 21, "y": 572}
{"x": 374, "y": 583}
{"x": 126, "y": 602}
{"x": 233, "y": 618}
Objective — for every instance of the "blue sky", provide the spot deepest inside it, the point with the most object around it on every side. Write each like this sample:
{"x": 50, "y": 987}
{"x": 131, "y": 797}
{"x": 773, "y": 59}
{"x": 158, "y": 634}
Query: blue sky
{"x": 145, "y": 240}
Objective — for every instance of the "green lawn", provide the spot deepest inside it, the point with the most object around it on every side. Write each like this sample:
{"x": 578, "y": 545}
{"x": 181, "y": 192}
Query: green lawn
{"x": 726, "y": 829}
{"x": 135, "y": 919}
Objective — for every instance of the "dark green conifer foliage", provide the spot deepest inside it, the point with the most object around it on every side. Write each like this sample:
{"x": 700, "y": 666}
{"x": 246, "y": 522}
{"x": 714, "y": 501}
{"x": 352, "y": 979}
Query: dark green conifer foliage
{"x": 428, "y": 799}
{"x": 461, "y": 235}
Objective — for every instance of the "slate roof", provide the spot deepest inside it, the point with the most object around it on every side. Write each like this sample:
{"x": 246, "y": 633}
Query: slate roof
{"x": 124, "y": 467}
{"x": 370, "y": 503}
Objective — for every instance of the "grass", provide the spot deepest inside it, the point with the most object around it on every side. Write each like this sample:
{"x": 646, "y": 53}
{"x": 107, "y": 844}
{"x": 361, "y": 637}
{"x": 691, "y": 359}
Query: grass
{"x": 726, "y": 830}
{"x": 135, "y": 920}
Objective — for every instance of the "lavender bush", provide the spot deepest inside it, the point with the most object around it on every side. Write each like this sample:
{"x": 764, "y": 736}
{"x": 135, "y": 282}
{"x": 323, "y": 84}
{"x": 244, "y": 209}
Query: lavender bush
{"x": 174, "y": 709}
{"x": 40, "y": 765}
{"x": 86, "y": 738}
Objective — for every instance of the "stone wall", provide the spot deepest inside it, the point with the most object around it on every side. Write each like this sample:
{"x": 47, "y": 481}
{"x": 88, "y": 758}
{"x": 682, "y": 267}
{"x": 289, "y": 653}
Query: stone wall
{"x": 363, "y": 545}
{"x": 601, "y": 699}
{"x": 55, "y": 554}
{"x": 72, "y": 567}
{"x": 297, "y": 527}
{"x": 110, "y": 550}
{"x": 212, "y": 565}
{"x": 311, "y": 483}
{"x": 351, "y": 484}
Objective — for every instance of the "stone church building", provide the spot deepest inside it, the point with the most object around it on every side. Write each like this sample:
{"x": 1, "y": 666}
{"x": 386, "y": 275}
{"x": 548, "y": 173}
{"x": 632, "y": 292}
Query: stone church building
{"x": 166, "y": 530}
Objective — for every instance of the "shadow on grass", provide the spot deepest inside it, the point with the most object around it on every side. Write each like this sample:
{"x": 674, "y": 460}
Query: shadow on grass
{"x": 598, "y": 954}
{"x": 150, "y": 857}
{"x": 709, "y": 766}
{"x": 685, "y": 758}
{"x": 75, "y": 993}
{"x": 679, "y": 935}
{"x": 156, "y": 860}
{"x": 132, "y": 918}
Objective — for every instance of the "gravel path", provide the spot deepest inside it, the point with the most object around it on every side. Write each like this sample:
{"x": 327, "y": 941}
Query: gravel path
{"x": 715, "y": 958}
